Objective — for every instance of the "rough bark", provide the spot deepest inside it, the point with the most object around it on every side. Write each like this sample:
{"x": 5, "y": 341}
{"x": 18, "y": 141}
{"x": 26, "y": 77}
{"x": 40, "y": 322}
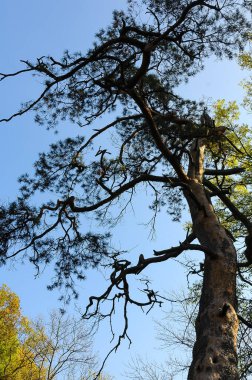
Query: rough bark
{"x": 214, "y": 353}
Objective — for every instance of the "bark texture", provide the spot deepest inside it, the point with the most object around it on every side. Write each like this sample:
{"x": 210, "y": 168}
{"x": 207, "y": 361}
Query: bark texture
{"x": 214, "y": 353}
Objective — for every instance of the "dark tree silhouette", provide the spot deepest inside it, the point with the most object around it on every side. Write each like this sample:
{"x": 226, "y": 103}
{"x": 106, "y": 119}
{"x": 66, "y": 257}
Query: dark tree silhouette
{"x": 168, "y": 144}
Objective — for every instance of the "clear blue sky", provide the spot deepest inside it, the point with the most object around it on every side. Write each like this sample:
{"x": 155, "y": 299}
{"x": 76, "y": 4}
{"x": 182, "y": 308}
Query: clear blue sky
{"x": 31, "y": 29}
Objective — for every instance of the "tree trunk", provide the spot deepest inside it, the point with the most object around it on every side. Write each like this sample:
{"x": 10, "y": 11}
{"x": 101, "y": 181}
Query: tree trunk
{"x": 214, "y": 353}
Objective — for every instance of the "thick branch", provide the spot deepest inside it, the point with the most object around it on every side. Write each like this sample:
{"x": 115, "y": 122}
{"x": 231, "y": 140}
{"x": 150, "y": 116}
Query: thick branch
{"x": 224, "y": 172}
{"x": 122, "y": 189}
{"x": 244, "y": 321}
{"x": 157, "y": 137}
{"x": 234, "y": 210}
{"x": 190, "y": 247}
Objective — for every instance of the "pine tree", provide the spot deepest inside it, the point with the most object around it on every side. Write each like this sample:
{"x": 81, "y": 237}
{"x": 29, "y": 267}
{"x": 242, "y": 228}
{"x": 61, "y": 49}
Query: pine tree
{"x": 165, "y": 143}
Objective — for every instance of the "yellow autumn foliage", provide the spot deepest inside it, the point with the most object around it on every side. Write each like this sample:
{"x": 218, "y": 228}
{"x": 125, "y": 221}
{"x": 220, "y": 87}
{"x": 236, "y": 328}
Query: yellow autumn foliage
{"x": 17, "y": 351}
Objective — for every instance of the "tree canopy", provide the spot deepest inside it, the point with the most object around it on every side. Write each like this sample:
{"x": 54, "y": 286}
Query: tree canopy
{"x": 155, "y": 140}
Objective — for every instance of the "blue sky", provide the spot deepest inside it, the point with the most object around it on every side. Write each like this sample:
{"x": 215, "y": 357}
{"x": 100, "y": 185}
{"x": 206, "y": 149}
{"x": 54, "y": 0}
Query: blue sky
{"x": 31, "y": 29}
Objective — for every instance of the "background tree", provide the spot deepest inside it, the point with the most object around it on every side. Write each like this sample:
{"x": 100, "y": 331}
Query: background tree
{"x": 162, "y": 142}
{"x": 39, "y": 350}
{"x": 17, "y": 354}
{"x": 146, "y": 369}
{"x": 64, "y": 347}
